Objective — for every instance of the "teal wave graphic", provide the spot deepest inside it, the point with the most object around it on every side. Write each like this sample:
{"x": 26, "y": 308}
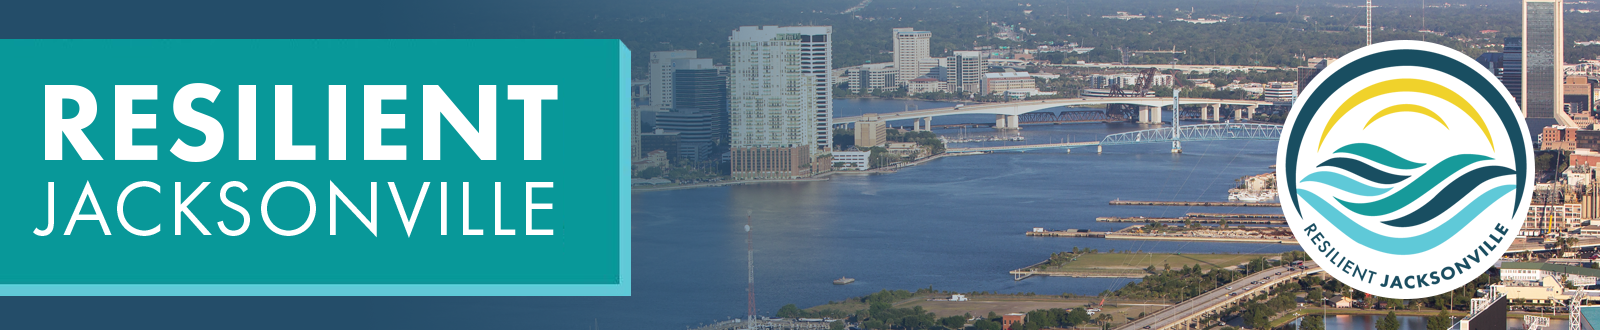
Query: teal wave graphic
{"x": 1406, "y": 245}
{"x": 1378, "y": 182}
{"x": 1417, "y": 187}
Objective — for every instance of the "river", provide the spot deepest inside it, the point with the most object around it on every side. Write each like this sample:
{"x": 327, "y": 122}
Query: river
{"x": 1364, "y": 322}
{"x": 954, "y": 223}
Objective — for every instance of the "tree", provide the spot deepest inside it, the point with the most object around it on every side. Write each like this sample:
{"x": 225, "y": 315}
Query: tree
{"x": 789, "y": 311}
{"x": 1314, "y": 297}
{"x": 1389, "y": 322}
{"x": 652, "y": 172}
{"x": 1311, "y": 322}
{"x": 836, "y": 325}
{"x": 986, "y": 324}
{"x": 1440, "y": 321}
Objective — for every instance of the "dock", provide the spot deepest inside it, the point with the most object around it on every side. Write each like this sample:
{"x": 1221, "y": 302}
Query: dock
{"x": 1067, "y": 233}
{"x": 1235, "y": 215}
{"x": 1279, "y": 220}
{"x": 1194, "y": 203}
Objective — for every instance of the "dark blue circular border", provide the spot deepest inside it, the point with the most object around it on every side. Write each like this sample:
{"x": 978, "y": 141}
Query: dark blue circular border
{"x": 1396, "y": 58}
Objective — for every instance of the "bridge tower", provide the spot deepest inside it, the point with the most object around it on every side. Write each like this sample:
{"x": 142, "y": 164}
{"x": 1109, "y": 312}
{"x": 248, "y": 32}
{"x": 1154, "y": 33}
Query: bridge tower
{"x": 1177, "y": 119}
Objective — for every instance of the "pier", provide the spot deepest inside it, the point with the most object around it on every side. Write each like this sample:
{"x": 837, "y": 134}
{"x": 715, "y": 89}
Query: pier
{"x": 1067, "y": 233}
{"x": 1278, "y": 220}
{"x": 1194, "y": 203}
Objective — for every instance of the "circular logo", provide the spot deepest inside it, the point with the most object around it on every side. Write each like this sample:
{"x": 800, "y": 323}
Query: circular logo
{"x": 1405, "y": 169}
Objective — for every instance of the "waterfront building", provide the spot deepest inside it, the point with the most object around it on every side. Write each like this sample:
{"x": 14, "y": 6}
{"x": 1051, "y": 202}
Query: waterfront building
{"x": 660, "y": 71}
{"x": 964, "y": 72}
{"x": 856, "y": 160}
{"x": 700, "y": 109}
{"x": 780, "y": 99}
{"x": 1127, "y": 80}
{"x": 870, "y": 77}
{"x": 871, "y": 131}
{"x": 999, "y": 82}
{"x": 1279, "y": 91}
{"x": 660, "y": 140}
{"x": 1542, "y": 58}
{"x": 638, "y": 151}
{"x": 926, "y": 85}
{"x": 910, "y": 52}
{"x": 1535, "y": 271}
{"x": 769, "y": 162}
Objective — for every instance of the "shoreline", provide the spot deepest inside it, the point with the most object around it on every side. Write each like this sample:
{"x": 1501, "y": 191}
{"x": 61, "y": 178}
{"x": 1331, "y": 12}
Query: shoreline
{"x": 1202, "y": 239}
{"x": 825, "y": 176}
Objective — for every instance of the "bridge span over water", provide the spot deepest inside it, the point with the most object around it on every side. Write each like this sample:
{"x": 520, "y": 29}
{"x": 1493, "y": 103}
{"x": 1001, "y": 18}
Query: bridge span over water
{"x": 1174, "y": 135}
{"x": 1148, "y": 110}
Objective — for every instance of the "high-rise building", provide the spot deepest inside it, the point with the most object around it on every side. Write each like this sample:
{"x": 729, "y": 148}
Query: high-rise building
{"x": 910, "y": 50}
{"x": 700, "y": 109}
{"x": 780, "y": 97}
{"x": 1541, "y": 58}
{"x": 870, "y": 77}
{"x": 871, "y": 131}
{"x": 1577, "y": 94}
{"x": 1309, "y": 72}
{"x": 637, "y": 152}
{"x": 661, "y": 77}
{"x": 1511, "y": 68}
{"x": 964, "y": 72}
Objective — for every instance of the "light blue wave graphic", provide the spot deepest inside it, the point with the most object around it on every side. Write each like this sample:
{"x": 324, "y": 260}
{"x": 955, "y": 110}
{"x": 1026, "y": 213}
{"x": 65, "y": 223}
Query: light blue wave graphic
{"x": 1345, "y": 183}
{"x": 1407, "y": 245}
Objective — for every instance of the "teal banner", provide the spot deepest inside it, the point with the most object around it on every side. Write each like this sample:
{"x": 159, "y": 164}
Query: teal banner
{"x": 314, "y": 167}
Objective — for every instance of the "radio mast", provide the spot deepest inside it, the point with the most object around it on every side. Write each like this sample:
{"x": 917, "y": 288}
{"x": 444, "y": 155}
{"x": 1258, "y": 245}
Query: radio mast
{"x": 750, "y": 255}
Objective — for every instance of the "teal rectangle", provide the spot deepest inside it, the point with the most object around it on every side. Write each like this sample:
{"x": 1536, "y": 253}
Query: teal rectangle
{"x": 585, "y": 159}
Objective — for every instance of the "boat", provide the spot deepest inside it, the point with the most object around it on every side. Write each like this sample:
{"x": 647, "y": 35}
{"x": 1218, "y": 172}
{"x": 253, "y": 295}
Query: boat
{"x": 843, "y": 281}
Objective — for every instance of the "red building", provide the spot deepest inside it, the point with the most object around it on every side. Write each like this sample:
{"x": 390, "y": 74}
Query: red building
{"x": 1013, "y": 318}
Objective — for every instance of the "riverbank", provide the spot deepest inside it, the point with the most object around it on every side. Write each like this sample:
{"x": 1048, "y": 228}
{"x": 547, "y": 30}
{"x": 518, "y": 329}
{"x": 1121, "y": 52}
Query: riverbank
{"x": 822, "y": 177}
{"x": 1129, "y": 265}
{"x": 1202, "y": 239}
{"x": 819, "y": 177}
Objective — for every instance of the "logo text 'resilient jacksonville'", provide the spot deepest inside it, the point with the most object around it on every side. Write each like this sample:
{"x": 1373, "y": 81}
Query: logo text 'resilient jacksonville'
{"x": 1404, "y": 169}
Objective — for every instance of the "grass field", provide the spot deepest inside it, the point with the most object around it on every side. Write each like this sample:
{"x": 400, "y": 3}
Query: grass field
{"x": 1125, "y": 262}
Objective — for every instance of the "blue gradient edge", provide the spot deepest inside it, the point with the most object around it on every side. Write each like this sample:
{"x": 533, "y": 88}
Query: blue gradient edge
{"x": 624, "y": 286}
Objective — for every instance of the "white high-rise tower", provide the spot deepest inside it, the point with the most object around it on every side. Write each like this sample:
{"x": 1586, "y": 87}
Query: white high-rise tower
{"x": 911, "y": 55}
{"x": 661, "y": 78}
{"x": 780, "y": 94}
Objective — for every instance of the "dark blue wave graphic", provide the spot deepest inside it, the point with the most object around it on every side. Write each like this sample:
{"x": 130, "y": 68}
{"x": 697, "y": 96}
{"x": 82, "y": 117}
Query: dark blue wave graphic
{"x": 1363, "y": 170}
{"x": 1450, "y": 196}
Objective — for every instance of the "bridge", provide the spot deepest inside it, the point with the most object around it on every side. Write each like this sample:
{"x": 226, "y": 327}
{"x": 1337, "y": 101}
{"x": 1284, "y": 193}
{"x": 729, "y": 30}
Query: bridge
{"x": 1201, "y": 132}
{"x": 1006, "y": 114}
{"x": 1191, "y": 313}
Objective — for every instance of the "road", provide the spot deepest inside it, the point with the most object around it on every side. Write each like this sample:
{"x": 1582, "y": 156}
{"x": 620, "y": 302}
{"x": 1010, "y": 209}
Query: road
{"x": 1177, "y": 314}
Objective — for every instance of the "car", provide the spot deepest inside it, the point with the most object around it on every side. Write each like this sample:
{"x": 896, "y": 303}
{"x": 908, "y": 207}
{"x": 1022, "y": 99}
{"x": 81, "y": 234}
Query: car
{"x": 1278, "y": 273}
{"x": 1230, "y": 294}
{"x": 1253, "y": 282}
{"x": 1230, "y": 288}
{"x": 1147, "y": 327}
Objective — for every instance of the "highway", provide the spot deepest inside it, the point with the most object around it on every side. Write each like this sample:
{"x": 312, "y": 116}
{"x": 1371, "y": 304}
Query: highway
{"x": 1218, "y": 298}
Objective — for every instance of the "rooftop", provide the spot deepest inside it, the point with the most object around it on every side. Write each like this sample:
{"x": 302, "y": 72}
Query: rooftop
{"x": 1552, "y": 268}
